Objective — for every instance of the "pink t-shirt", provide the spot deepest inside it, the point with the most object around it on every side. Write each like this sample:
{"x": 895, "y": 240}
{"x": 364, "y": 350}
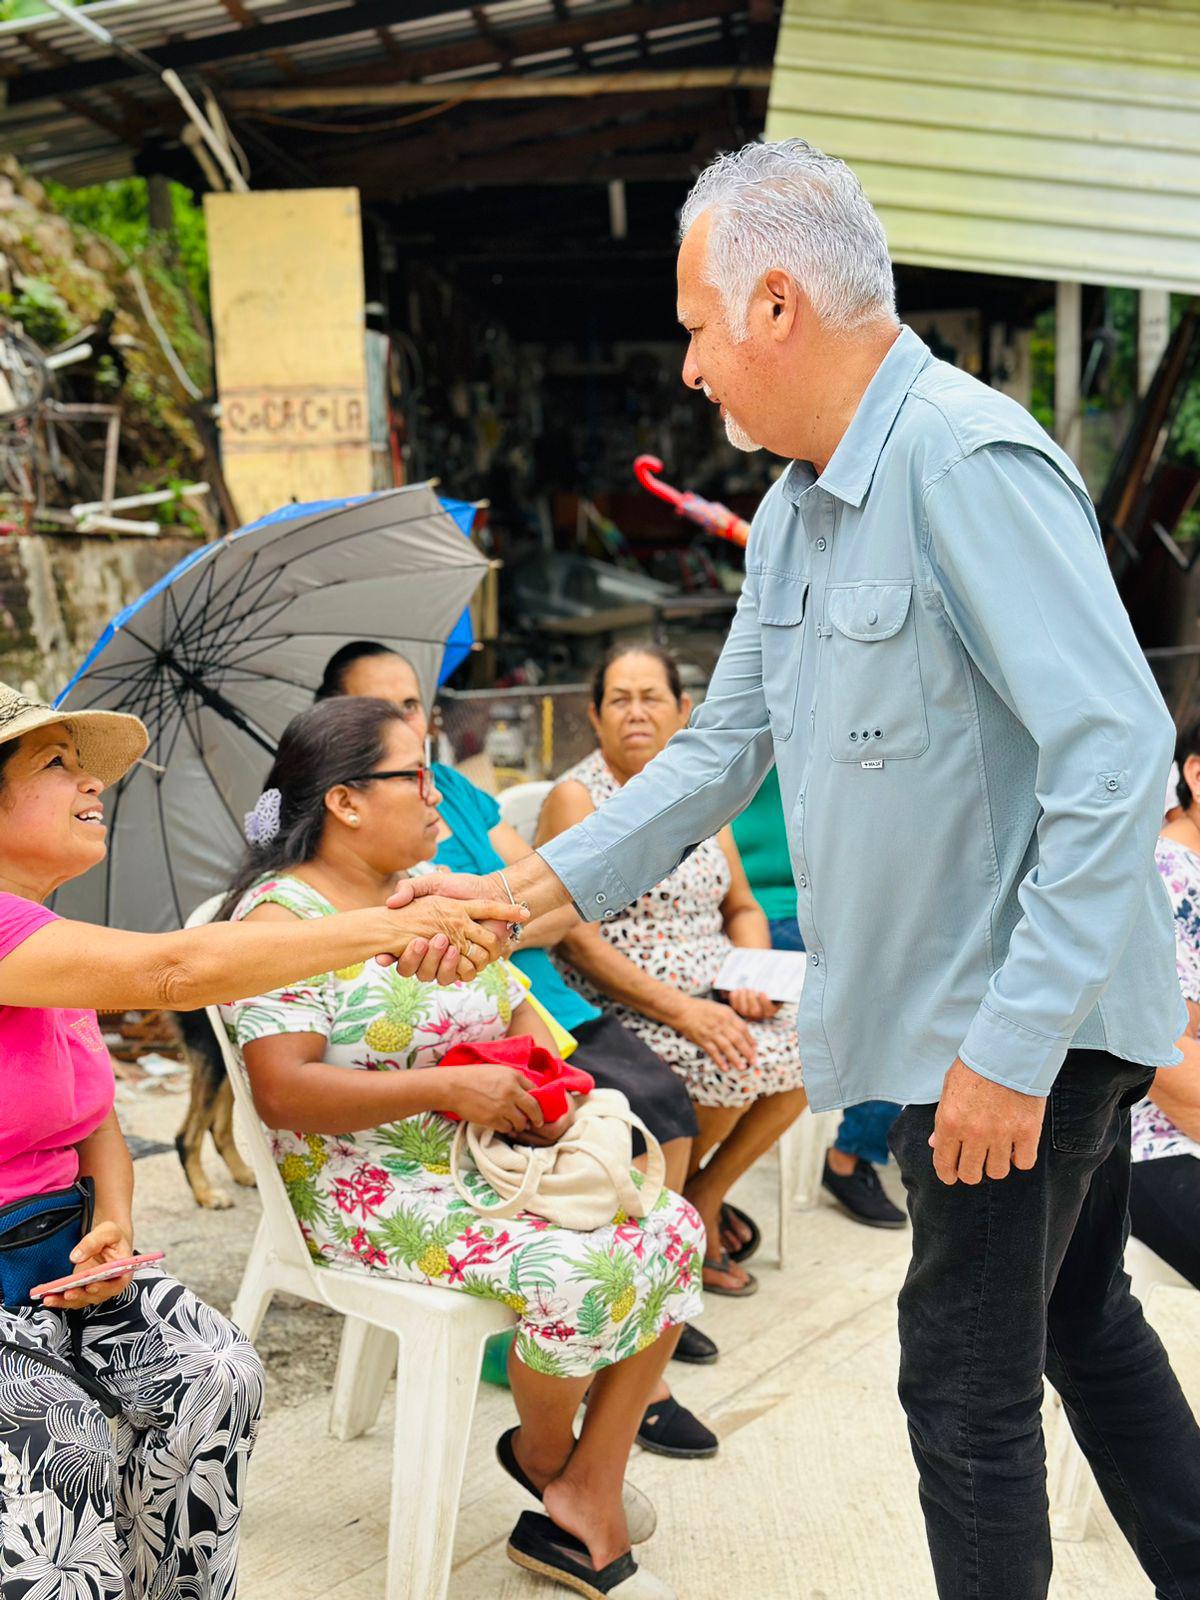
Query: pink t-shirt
{"x": 56, "y": 1080}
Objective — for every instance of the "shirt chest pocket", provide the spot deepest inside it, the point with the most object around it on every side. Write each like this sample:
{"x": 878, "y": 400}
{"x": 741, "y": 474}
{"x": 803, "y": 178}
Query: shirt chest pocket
{"x": 873, "y": 672}
{"x": 782, "y": 603}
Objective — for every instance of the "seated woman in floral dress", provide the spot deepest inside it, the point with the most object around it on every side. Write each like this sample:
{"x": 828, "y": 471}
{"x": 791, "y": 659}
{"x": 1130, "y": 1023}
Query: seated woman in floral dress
{"x": 363, "y": 1144}
{"x": 654, "y": 963}
{"x": 152, "y": 1507}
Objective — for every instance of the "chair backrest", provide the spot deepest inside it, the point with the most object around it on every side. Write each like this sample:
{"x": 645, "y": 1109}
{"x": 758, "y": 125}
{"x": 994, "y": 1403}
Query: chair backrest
{"x": 286, "y": 1238}
{"x": 521, "y": 806}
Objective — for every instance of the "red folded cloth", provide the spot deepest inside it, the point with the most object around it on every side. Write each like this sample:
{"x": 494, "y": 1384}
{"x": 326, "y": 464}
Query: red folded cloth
{"x": 550, "y": 1078}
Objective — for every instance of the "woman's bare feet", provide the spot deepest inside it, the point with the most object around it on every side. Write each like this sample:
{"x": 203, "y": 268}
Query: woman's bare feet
{"x": 591, "y": 1512}
{"x": 732, "y": 1277}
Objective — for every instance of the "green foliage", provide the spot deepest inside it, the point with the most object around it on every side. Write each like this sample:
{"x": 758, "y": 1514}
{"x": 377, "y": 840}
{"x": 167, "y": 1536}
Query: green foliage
{"x": 1120, "y": 372}
{"x": 41, "y": 311}
{"x": 120, "y": 212}
{"x": 24, "y": 10}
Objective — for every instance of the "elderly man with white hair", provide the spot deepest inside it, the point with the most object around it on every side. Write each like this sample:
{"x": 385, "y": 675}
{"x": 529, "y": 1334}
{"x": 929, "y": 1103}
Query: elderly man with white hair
{"x": 971, "y": 754}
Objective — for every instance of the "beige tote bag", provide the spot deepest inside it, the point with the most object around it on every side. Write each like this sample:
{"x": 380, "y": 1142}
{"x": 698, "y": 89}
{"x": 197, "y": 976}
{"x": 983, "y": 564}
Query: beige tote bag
{"x": 581, "y": 1182}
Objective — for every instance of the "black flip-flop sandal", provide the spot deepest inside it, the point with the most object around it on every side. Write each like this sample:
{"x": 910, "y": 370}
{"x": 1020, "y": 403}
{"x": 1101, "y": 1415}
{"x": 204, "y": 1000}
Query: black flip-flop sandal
{"x": 722, "y": 1263}
{"x": 540, "y": 1546}
{"x": 640, "y": 1516}
{"x": 669, "y": 1429}
{"x": 750, "y": 1248}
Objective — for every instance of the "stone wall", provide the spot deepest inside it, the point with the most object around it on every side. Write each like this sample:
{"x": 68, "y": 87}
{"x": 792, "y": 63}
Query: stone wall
{"x": 57, "y": 595}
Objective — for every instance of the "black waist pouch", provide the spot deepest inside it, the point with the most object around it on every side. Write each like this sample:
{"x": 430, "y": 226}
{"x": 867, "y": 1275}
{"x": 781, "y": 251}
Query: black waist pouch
{"x": 37, "y": 1235}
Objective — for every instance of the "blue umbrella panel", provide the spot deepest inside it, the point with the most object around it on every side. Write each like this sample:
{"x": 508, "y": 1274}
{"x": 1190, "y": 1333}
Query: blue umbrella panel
{"x": 218, "y": 656}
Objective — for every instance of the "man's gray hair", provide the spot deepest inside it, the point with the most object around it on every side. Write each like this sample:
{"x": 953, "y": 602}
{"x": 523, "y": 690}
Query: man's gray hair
{"x": 787, "y": 206}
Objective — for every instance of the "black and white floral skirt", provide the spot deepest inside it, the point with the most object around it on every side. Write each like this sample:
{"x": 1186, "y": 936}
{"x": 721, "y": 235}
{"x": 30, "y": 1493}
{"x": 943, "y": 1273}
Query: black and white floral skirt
{"x": 148, "y": 1509}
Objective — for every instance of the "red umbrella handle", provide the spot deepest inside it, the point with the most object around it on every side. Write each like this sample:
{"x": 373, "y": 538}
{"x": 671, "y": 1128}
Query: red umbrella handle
{"x": 644, "y": 469}
{"x": 707, "y": 514}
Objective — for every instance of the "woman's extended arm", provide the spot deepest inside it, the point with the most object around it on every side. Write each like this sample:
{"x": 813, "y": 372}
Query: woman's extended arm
{"x": 106, "y": 969}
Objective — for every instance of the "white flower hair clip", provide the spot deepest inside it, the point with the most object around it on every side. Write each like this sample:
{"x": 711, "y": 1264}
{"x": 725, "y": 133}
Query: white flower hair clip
{"x": 262, "y": 824}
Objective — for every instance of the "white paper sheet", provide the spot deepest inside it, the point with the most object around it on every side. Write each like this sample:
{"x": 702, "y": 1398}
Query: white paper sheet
{"x": 779, "y": 974}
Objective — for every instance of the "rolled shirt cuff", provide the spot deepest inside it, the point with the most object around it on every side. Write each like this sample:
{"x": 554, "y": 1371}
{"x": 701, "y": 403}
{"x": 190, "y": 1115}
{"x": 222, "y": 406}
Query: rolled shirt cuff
{"x": 596, "y": 888}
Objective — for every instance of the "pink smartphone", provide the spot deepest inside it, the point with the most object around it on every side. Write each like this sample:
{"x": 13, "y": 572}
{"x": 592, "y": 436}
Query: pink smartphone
{"x": 114, "y": 1269}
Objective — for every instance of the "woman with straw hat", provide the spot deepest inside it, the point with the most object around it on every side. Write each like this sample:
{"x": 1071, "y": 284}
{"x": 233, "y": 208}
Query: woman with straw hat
{"x": 151, "y": 1507}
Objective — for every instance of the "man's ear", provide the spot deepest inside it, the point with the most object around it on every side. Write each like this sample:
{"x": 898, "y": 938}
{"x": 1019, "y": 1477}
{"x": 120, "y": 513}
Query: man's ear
{"x": 685, "y": 707}
{"x": 783, "y": 299}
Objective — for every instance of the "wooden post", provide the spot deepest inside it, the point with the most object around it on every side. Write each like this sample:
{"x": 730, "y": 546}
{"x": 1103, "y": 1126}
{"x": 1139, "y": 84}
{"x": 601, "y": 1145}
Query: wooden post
{"x": 158, "y": 191}
{"x": 1068, "y": 341}
{"x": 1154, "y": 332}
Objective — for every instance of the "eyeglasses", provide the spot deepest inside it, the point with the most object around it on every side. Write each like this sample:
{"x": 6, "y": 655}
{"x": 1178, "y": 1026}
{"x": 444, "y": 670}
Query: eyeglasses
{"x": 423, "y": 776}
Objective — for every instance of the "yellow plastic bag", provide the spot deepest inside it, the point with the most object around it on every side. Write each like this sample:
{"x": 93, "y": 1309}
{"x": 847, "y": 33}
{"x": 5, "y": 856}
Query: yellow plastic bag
{"x": 564, "y": 1042}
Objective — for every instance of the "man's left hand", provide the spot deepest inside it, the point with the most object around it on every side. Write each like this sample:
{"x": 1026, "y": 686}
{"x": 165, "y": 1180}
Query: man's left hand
{"x": 982, "y": 1128}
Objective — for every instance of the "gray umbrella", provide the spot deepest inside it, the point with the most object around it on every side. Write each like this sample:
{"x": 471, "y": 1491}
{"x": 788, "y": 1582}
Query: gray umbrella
{"x": 218, "y": 656}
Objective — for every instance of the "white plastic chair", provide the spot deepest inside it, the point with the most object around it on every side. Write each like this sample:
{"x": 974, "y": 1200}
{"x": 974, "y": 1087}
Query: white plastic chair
{"x": 801, "y": 1160}
{"x": 521, "y": 806}
{"x": 441, "y": 1337}
{"x": 1072, "y": 1487}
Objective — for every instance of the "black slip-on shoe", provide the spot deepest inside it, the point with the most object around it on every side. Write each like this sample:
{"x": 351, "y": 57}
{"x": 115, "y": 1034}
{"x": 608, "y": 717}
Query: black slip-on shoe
{"x": 694, "y": 1347}
{"x": 669, "y": 1429}
{"x": 861, "y": 1195}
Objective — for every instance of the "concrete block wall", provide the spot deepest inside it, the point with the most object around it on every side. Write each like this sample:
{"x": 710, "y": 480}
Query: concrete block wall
{"x": 57, "y": 595}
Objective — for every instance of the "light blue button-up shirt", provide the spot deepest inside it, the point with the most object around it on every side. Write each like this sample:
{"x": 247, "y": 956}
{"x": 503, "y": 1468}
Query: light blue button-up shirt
{"x": 972, "y": 755}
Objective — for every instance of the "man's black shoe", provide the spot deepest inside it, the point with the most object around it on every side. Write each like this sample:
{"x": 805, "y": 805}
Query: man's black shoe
{"x": 695, "y": 1347}
{"x": 862, "y": 1196}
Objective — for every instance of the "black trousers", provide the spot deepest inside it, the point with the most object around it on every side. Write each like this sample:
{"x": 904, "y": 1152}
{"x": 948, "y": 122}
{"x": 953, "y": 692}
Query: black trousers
{"x": 1019, "y": 1277}
{"x": 1164, "y": 1211}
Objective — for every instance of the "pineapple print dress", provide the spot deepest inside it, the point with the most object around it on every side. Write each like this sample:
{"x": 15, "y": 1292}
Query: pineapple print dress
{"x": 382, "y": 1200}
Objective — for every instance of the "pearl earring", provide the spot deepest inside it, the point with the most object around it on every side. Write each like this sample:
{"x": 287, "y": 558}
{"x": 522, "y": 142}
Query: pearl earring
{"x": 352, "y": 819}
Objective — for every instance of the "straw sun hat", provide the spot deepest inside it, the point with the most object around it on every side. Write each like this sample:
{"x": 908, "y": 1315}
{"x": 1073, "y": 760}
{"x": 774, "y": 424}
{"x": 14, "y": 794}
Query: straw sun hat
{"x": 109, "y": 742}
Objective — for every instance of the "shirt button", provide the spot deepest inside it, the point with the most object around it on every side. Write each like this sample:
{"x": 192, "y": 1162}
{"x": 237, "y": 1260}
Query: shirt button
{"x": 1111, "y": 783}
{"x": 600, "y": 899}
{"x": 820, "y": 544}
{"x": 872, "y": 618}
{"x": 609, "y": 916}
{"x": 804, "y": 883}
{"x": 815, "y": 959}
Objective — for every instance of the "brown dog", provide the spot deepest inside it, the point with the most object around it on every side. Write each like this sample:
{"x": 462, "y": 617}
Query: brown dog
{"x": 210, "y": 1110}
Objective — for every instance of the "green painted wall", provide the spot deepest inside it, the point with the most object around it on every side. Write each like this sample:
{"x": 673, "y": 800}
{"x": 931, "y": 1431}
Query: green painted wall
{"x": 1044, "y": 140}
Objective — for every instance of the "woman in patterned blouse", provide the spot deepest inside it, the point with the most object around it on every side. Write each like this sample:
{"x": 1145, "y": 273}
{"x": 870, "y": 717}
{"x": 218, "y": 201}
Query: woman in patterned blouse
{"x": 1164, "y": 1201}
{"x": 654, "y": 963}
{"x": 362, "y": 1134}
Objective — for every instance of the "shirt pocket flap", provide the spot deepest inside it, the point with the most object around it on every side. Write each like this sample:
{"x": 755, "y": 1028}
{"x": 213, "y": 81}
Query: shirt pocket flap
{"x": 782, "y": 598}
{"x": 869, "y": 611}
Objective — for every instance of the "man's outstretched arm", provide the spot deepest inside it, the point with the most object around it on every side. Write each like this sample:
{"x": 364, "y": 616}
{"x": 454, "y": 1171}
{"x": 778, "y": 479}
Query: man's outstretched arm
{"x": 704, "y": 777}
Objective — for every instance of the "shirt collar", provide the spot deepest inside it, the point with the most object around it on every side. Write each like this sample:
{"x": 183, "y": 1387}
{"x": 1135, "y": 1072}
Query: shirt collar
{"x": 852, "y": 465}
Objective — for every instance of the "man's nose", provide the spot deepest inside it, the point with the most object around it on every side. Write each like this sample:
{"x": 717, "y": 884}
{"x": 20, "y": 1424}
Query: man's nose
{"x": 691, "y": 372}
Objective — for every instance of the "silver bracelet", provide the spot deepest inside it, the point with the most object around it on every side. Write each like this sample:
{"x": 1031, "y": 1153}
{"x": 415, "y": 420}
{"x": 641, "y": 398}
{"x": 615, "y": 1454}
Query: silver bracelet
{"x": 515, "y": 929}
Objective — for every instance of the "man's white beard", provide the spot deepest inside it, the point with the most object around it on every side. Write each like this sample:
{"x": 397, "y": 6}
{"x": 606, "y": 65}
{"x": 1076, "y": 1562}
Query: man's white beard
{"x": 738, "y": 437}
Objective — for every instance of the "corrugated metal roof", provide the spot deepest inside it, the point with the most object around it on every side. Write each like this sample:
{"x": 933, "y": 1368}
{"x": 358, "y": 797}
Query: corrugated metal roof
{"x": 1039, "y": 138}
{"x": 86, "y": 137}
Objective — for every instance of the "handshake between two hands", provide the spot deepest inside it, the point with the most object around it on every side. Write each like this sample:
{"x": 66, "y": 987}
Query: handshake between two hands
{"x": 456, "y": 926}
